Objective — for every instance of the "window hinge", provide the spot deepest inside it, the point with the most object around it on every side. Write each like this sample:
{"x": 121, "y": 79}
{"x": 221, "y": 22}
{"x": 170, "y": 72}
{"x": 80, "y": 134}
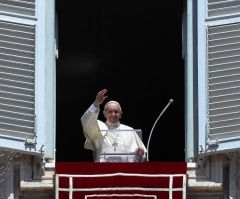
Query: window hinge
{"x": 31, "y": 141}
{"x": 212, "y": 143}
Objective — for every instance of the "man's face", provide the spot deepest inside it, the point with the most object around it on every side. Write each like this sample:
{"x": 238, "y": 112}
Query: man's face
{"x": 112, "y": 113}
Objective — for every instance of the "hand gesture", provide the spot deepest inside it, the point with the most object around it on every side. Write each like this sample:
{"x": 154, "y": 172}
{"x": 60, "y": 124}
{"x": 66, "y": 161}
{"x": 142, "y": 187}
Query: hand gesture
{"x": 101, "y": 96}
{"x": 139, "y": 153}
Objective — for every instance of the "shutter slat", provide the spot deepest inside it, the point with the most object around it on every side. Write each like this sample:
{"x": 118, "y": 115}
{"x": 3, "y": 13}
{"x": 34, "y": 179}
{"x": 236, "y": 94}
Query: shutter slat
{"x": 223, "y": 7}
{"x": 16, "y": 96}
{"x": 20, "y": 3}
{"x": 222, "y": 4}
{"x": 223, "y": 66}
{"x": 225, "y": 34}
{"x": 234, "y": 58}
{"x": 15, "y": 102}
{"x": 225, "y": 91}
{"x": 222, "y": 29}
{"x": 215, "y": 1}
{"x": 223, "y": 41}
{"x": 17, "y": 90}
{"x": 19, "y": 71}
{"x": 224, "y": 79}
{"x": 16, "y": 27}
{"x": 225, "y": 135}
{"x": 16, "y": 77}
{"x": 224, "y": 104}
{"x": 18, "y": 10}
{"x": 224, "y": 47}
{"x": 220, "y": 98}
{"x": 224, "y": 11}
{"x": 17, "y": 40}
{"x": 16, "y": 127}
{"x": 224, "y": 85}
{"x": 16, "y": 121}
{"x": 223, "y": 123}
{"x": 17, "y": 46}
{"x": 16, "y": 52}
{"x": 7, "y": 113}
{"x": 225, "y": 129}
{"x": 225, "y": 116}
{"x": 226, "y": 71}
{"x": 17, "y": 58}
{"x": 17, "y": 109}
{"x": 13, "y": 134}
{"x": 17, "y": 64}
{"x": 16, "y": 31}
{"x": 224, "y": 110}
{"x": 226, "y": 53}
{"x": 17, "y": 83}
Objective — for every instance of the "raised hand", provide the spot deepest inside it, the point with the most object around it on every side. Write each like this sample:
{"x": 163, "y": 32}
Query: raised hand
{"x": 100, "y": 97}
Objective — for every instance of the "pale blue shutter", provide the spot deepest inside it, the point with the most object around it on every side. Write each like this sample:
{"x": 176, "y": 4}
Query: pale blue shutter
{"x": 221, "y": 8}
{"x": 18, "y": 7}
{"x": 27, "y": 65}
{"x": 219, "y": 75}
{"x": 17, "y": 79}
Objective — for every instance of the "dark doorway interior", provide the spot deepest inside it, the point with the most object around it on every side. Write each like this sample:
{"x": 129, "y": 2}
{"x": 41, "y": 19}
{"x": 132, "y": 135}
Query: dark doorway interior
{"x": 132, "y": 48}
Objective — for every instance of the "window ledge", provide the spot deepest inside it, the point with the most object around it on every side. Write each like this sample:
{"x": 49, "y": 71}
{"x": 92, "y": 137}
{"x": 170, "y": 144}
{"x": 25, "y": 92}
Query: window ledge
{"x": 42, "y": 186}
{"x": 204, "y": 186}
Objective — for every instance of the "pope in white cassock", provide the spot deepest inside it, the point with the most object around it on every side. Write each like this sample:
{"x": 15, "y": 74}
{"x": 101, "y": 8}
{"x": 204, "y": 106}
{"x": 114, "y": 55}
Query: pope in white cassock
{"x": 111, "y": 141}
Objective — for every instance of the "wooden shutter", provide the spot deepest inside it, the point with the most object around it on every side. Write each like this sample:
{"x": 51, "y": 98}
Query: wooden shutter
{"x": 223, "y": 49}
{"x": 27, "y": 76}
{"x": 17, "y": 54}
{"x": 219, "y": 66}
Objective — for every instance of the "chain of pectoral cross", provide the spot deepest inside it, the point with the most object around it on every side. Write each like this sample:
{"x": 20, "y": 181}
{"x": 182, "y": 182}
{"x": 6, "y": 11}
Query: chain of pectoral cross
{"x": 115, "y": 144}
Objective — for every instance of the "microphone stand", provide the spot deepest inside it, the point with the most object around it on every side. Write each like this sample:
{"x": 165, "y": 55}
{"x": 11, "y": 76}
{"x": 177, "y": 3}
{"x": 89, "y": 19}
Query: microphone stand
{"x": 150, "y": 135}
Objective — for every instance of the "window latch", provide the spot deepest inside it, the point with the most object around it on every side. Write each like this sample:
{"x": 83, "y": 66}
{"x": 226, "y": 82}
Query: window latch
{"x": 212, "y": 143}
{"x": 31, "y": 141}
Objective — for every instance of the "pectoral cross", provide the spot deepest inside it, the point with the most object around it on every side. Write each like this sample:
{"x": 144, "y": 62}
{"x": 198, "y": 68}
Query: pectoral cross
{"x": 115, "y": 144}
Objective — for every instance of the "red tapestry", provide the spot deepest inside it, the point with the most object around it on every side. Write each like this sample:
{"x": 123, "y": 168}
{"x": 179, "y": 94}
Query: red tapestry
{"x": 86, "y": 180}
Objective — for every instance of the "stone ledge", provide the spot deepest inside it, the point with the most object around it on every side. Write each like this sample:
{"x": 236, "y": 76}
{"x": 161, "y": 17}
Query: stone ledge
{"x": 204, "y": 186}
{"x": 42, "y": 186}
{"x": 50, "y": 165}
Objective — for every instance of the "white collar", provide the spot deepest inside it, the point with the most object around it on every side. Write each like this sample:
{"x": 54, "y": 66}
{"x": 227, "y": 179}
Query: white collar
{"x": 112, "y": 126}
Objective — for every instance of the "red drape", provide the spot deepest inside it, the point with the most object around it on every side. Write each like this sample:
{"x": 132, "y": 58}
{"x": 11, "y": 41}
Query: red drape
{"x": 87, "y": 180}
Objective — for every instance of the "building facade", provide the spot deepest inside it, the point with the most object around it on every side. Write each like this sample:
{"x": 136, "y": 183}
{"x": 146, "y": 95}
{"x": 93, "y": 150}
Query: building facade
{"x": 27, "y": 98}
{"x": 211, "y": 50}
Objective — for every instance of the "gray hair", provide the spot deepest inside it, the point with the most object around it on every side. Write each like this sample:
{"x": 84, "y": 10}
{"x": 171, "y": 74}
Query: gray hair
{"x": 112, "y": 101}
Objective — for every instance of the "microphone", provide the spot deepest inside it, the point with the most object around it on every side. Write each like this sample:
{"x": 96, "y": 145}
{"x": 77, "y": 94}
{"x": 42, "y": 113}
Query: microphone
{"x": 150, "y": 135}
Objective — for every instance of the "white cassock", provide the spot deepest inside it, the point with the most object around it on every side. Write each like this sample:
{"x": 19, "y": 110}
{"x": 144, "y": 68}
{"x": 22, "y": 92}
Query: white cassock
{"x": 110, "y": 144}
